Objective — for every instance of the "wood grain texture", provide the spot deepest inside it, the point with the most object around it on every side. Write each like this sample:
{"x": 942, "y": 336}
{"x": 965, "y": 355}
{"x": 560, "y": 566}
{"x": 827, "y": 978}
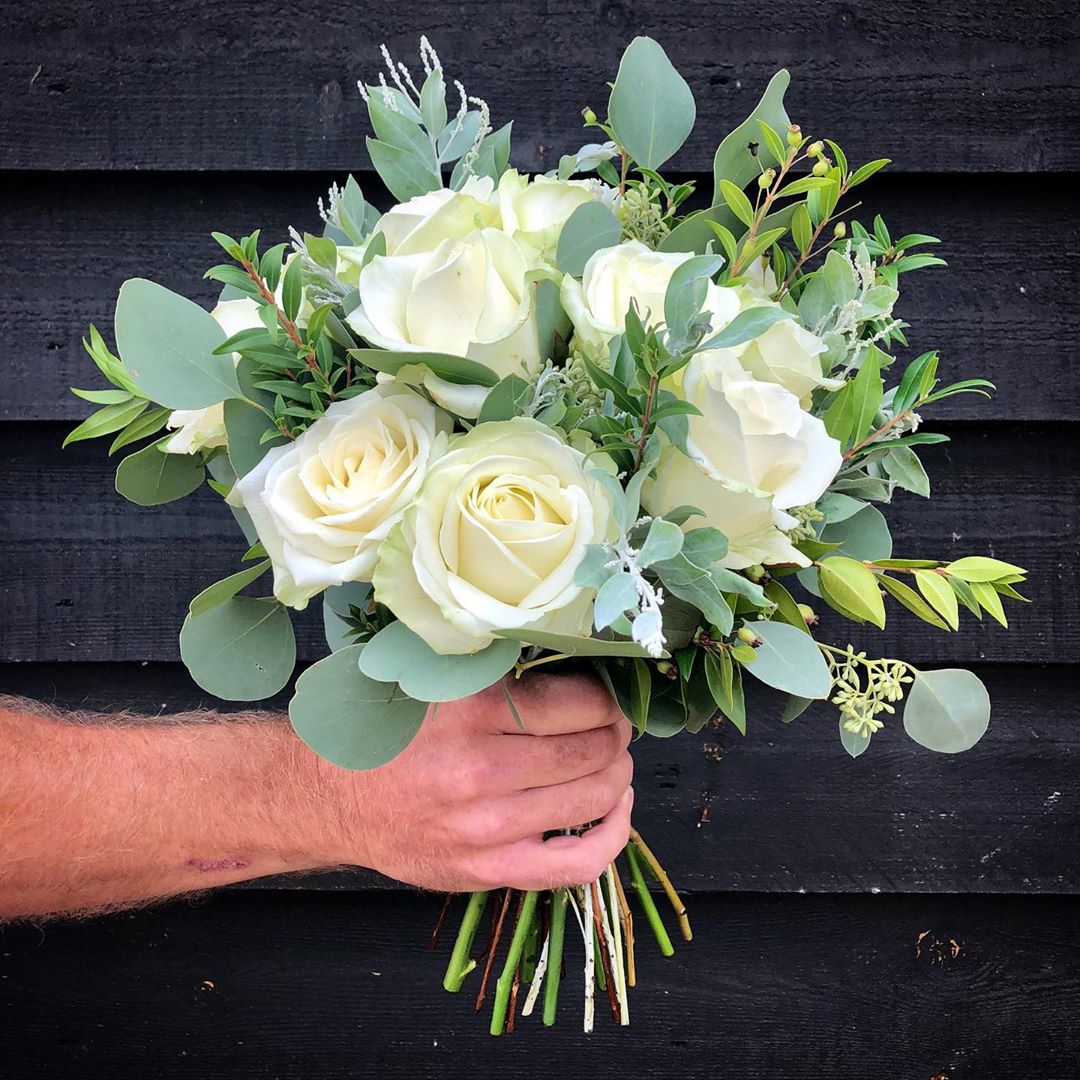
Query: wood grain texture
{"x": 291, "y": 987}
{"x": 957, "y": 86}
{"x": 785, "y": 809}
{"x": 989, "y": 312}
{"x": 90, "y": 577}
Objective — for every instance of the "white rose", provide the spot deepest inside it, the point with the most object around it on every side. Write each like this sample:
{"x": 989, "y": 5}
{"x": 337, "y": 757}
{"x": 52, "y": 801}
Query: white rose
{"x": 494, "y": 539}
{"x": 631, "y": 272}
{"x": 534, "y": 211}
{"x": 790, "y": 356}
{"x": 468, "y": 297}
{"x": 205, "y": 428}
{"x": 323, "y": 504}
{"x": 424, "y": 222}
{"x": 753, "y": 453}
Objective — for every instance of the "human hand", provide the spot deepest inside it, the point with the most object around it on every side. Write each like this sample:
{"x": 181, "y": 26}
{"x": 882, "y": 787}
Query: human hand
{"x": 466, "y": 805}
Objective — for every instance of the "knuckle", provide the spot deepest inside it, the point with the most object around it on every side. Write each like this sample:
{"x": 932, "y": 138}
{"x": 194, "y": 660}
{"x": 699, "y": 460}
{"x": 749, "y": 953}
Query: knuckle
{"x": 477, "y": 828}
{"x": 472, "y": 777}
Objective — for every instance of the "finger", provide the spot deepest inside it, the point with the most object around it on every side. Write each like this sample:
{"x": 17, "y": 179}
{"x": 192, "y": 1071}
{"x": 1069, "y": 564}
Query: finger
{"x": 519, "y": 762}
{"x": 563, "y": 806}
{"x": 562, "y": 860}
{"x": 548, "y": 705}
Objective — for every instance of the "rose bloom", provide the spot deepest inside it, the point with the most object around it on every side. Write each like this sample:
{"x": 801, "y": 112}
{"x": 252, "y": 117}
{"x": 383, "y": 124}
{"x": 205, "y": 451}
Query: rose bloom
{"x": 615, "y": 277}
{"x": 752, "y": 454}
{"x": 494, "y": 539}
{"x": 534, "y": 211}
{"x": 466, "y": 297}
{"x": 324, "y": 503}
{"x": 205, "y": 428}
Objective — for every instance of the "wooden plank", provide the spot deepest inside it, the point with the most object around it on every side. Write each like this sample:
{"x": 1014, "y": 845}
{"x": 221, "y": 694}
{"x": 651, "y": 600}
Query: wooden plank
{"x": 278, "y": 987}
{"x": 787, "y": 809}
{"x": 986, "y": 312}
{"x": 981, "y": 87}
{"x": 90, "y": 577}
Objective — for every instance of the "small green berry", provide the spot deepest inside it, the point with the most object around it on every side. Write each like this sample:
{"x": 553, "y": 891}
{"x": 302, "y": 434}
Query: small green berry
{"x": 794, "y": 135}
{"x": 747, "y": 636}
{"x": 589, "y": 115}
{"x": 809, "y": 615}
{"x": 816, "y": 149}
{"x": 764, "y": 181}
{"x": 821, "y": 167}
{"x": 839, "y": 230}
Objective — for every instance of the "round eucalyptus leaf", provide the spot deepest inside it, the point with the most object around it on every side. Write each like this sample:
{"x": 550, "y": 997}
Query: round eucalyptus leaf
{"x": 947, "y": 710}
{"x": 349, "y": 719}
{"x": 789, "y": 660}
{"x": 396, "y": 654}
{"x": 241, "y": 650}
{"x": 150, "y": 477}
{"x": 167, "y": 343}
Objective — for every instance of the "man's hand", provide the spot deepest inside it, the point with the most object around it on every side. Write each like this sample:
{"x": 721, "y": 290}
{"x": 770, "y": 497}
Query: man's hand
{"x": 98, "y": 812}
{"x": 466, "y": 806}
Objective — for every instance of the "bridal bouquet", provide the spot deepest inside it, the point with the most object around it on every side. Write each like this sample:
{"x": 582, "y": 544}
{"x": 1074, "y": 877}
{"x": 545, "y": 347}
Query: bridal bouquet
{"x": 521, "y": 420}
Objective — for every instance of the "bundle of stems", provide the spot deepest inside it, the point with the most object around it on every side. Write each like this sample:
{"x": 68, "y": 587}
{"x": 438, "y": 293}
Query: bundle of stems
{"x": 536, "y": 952}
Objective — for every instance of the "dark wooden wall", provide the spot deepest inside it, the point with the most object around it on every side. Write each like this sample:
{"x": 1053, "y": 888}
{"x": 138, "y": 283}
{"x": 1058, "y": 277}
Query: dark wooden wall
{"x": 904, "y": 915}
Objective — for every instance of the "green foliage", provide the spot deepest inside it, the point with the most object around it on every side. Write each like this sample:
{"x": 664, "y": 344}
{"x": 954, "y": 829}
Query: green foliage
{"x": 789, "y": 660}
{"x": 589, "y": 228}
{"x": 150, "y": 477}
{"x": 242, "y": 649}
{"x": 651, "y": 109}
{"x": 349, "y": 719}
{"x": 168, "y": 345}
{"x": 947, "y": 710}
{"x": 397, "y": 655}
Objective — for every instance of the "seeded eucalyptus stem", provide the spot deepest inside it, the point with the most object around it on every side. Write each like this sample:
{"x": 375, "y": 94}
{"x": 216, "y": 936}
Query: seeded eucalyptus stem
{"x": 460, "y": 962}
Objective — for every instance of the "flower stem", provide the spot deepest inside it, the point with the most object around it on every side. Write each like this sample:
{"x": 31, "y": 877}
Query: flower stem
{"x": 627, "y": 919}
{"x": 603, "y": 947}
{"x": 637, "y": 880}
{"x": 559, "y": 902}
{"x": 507, "y": 980}
{"x": 614, "y": 921}
{"x": 665, "y": 883}
{"x": 460, "y": 964}
{"x": 493, "y": 948}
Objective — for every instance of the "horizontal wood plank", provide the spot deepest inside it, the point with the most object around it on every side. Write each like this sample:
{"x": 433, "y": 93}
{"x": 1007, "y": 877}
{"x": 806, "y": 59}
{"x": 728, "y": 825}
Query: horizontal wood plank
{"x": 783, "y": 809}
{"x": 281, "y": 986}
{"x": 957, "y": 87}
{"x": 91, "y": 577}
{"x": 990, "y": 313}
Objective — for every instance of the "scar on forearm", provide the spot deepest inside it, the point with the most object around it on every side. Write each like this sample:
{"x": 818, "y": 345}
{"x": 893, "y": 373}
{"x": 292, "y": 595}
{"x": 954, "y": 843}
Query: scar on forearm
{"x": 217, "y": 864}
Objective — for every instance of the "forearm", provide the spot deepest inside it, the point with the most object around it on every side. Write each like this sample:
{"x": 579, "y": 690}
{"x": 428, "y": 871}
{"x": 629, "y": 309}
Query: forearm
{"x": 98, "y": 813}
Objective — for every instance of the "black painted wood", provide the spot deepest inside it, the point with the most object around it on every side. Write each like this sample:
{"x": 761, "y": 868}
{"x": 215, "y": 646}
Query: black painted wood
{"x": 990, "y": 312}
{"x": 90, "y": 577}
{"x": 751, "y": 814}
{"x": 129, "y": 130}
{"x": 293, "y": 987}
{"x": 954, "y": 86}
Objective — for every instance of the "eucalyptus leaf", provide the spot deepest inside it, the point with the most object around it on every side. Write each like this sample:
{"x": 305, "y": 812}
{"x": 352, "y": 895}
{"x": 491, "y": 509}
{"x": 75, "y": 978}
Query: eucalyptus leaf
{"x": 947, "y": 710}
{"x": 651, "y": 108}
{"x": 240, "y": 650}
{"x": 167, "y": 343}
{"x": 789, "y": 660}
{"x": 733, "y": 160}
{"x": 349, "y": 719}
{"x": 397, "y": 654}
{"x": 591, "y": 227}
{"x": 150, "y": 477}
{"x": 855, "y": 743}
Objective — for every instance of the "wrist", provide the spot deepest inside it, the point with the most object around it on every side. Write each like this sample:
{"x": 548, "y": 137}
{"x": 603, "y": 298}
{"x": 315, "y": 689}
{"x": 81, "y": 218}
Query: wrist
{"x": 329, "y": 825}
